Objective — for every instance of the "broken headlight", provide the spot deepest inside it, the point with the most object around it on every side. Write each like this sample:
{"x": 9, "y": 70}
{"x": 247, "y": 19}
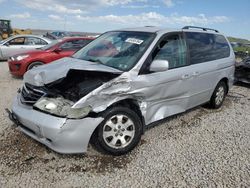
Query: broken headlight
{"x": 61, "y": 107}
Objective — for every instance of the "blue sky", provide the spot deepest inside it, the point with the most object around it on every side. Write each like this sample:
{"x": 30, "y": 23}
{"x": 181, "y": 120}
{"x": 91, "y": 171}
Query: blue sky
{"x": 228, "y": 16}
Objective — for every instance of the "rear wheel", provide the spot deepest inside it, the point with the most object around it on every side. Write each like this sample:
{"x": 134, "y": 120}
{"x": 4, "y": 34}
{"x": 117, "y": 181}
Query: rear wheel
{"x": 120, "y": 131}
{"x": 218, "y": 95}
{"x": 34, "y": 64}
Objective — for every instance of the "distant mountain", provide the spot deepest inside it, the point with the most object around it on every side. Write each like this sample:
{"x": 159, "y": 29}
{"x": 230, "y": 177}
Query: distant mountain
{"x": 238, "y": 40}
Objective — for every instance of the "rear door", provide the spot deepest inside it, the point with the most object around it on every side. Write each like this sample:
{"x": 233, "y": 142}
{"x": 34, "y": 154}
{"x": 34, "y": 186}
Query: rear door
{"x": 166, "y": 93}
{"x": 208, "y": 54}
{"x": 34, "y": 42}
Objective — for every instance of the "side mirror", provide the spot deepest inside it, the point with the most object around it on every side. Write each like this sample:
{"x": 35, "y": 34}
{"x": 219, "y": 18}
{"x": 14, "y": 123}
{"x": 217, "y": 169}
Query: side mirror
{"x": 159, "y": 66}
{"x": 7, "y": 44}
{"x": 57, "y": 50}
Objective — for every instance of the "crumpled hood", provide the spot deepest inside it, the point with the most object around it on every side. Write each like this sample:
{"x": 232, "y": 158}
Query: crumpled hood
{"x": 48, "y": 73}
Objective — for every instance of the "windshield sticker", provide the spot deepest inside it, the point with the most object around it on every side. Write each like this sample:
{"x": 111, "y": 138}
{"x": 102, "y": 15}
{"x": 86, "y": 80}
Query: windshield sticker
{"x": 134, "y": 41}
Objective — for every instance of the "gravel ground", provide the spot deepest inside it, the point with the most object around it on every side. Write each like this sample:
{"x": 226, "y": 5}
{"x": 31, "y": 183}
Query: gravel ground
{"x": 200, "y": 148}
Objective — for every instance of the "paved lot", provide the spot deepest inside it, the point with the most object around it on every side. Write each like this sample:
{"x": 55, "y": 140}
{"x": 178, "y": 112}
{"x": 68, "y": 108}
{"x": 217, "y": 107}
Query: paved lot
{"x": 200, "y": 148}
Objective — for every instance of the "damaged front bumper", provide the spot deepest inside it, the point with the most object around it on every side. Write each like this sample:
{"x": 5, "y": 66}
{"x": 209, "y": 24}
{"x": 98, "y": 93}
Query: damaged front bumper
{"x": 60, "y": 134}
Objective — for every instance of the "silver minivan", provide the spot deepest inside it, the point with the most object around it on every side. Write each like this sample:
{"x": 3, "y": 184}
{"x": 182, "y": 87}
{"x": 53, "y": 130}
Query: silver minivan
{"x": 120, "y": 83}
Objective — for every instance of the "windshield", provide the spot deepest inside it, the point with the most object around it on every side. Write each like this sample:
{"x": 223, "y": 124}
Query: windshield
{"x": 50, "y": 45}
{"x": 120, "y": 50}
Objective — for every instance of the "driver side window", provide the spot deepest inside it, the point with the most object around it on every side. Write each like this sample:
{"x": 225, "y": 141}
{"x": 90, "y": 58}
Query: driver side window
{"x": 17, "y": 41}
{"x": 173, "y": 49}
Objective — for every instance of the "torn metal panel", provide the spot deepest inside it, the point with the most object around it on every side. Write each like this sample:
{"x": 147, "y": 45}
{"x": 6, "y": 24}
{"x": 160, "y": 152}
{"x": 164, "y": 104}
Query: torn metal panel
{"x": 79, "y": 83}
{"x": 59, "y": 69}
{"x": 152, "y": 95}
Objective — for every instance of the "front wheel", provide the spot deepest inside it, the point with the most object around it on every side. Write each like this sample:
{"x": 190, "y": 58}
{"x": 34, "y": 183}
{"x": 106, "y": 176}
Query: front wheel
{"x": 120, "y": 131}
{"x": 218, "y": 95}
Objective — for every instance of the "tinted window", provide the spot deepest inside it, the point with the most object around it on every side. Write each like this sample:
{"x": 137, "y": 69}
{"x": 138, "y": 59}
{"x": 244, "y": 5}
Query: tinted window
{"x": 206, "y": 47}
{"x": 74, "y": 44}
{"x": 173, "y": 49}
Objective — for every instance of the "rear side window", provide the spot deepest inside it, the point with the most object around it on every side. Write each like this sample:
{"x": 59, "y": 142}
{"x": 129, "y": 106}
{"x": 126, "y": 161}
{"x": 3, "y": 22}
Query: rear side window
{"x": 34, "y": 41}
{"x": 74, "y": 44}
{"x": 84, "y": 42}
{"x": 205, "y": 47}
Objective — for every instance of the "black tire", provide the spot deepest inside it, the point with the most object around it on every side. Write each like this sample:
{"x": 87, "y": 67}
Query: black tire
{"x": 104, "y": 145}
{"x": 34, "y": 64}
{"x": 218, "y": 96}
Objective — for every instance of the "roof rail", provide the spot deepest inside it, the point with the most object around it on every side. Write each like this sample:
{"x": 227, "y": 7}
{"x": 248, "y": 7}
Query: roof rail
{"x": 203, "y": 28}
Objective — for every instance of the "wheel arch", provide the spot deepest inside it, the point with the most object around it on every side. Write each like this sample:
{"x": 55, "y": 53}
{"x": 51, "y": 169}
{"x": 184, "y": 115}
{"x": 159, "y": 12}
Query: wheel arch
{"x": 34, "y": 61}
{"x": 133, "y": 105}
{"x": 129, "y": 103}
{"x": 226, "y": 81}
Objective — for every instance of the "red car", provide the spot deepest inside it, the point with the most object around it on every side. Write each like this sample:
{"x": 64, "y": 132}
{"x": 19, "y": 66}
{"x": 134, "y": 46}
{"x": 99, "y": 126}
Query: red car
{"x": 20, "y": 63}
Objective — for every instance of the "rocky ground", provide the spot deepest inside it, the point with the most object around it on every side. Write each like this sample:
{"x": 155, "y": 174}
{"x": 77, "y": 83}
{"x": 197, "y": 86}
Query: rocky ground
{"x": 200, "y": 148}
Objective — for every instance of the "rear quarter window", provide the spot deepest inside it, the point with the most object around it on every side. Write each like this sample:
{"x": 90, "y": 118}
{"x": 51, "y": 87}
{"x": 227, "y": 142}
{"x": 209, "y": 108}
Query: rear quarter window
{"x": 205, "y": 47}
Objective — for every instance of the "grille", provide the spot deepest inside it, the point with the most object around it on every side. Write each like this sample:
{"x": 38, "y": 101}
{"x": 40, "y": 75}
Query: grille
{"x": 30, "y": 94}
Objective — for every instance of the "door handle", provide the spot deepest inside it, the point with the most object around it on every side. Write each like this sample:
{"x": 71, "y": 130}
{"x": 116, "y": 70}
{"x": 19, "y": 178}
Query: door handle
{"x": 186, "y": 76}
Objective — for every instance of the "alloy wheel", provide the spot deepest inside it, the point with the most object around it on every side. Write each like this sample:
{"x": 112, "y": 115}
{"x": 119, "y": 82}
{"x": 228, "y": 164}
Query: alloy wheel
{"x": 118, "y": 131}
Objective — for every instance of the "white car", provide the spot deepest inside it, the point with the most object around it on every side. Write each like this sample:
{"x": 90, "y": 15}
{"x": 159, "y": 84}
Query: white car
{"x": 19, "y": 44}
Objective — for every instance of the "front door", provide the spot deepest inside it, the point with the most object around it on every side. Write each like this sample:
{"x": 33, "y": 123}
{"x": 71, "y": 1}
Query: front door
{"x": 166, "y": 93}
{"x": 12, "y": 46}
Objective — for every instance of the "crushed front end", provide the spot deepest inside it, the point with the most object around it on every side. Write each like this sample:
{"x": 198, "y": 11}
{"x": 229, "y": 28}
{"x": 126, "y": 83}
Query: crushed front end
{"x": 61, "y": 134}
{"x": 47, "y": 113}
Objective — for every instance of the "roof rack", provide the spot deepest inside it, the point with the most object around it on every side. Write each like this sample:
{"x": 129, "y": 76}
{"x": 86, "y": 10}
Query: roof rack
{"x": 203, "y": 28}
